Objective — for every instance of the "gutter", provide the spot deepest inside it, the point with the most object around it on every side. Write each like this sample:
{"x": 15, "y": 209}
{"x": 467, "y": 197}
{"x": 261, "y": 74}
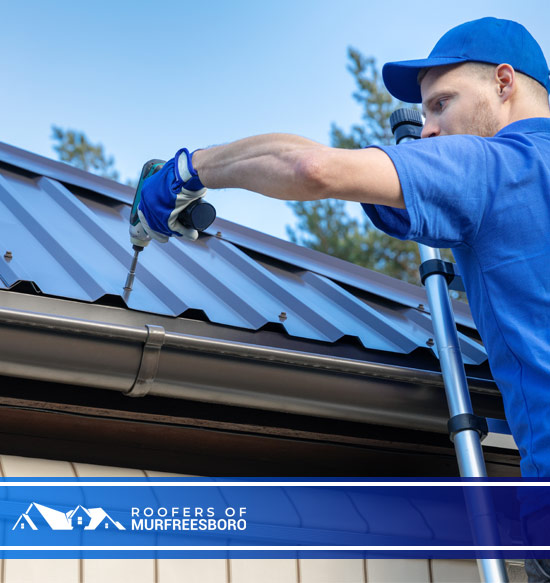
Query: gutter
{"x": 150, "y": 360}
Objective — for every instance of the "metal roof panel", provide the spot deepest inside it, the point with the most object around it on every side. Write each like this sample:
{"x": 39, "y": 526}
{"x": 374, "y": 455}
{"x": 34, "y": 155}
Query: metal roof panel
{"x": 74, "y": 243}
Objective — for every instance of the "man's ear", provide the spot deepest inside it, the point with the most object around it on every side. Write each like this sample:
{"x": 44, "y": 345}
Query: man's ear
{"x": 505, "y": 78}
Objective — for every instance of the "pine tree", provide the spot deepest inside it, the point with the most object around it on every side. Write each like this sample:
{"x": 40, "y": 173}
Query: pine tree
{"x": 324, "y": 225}
{"x": 74, "y": 148}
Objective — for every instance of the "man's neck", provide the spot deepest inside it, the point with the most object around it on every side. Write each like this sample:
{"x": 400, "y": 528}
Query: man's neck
{"x": 526, "y": 112}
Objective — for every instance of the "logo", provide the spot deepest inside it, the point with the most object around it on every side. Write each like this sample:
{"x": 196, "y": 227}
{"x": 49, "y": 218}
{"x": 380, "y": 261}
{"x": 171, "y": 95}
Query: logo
{"x": 38, "y": 517}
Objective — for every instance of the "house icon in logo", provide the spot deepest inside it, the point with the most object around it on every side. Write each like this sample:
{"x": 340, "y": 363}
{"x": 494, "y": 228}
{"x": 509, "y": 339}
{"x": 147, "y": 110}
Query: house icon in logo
{"x": 38, "y": 516}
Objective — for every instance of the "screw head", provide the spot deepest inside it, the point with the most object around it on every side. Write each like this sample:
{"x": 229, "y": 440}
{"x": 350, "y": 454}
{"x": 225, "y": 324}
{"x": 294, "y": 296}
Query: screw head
{"x": 430, "y": 342}
{"x": 8, "y": 255}
{"x": 282, "y": 316}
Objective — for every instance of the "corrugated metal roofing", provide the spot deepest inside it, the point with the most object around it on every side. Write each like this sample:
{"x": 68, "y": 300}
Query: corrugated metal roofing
{"x": 67, "y": 234}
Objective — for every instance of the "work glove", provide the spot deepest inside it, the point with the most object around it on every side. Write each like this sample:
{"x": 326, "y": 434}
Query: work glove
{"x": 165, "y": 194}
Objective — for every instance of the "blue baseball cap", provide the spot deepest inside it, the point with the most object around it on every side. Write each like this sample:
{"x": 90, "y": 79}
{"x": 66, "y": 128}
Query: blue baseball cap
{"x": 487, "y": 40}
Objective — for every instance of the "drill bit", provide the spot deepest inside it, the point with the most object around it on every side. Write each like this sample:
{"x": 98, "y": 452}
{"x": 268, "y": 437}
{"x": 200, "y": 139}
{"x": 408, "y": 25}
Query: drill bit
{"x": 132, "y": 273}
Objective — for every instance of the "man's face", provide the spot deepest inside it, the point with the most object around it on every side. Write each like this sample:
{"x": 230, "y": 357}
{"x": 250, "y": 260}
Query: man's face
{"x": 457, "y": 101}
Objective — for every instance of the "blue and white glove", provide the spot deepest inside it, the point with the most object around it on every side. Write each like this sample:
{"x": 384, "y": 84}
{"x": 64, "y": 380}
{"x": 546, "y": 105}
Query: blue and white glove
{"x": 166, "y": 194}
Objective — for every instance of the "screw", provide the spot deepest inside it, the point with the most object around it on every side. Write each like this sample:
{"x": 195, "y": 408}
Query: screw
{"x": 282, "y": 316}
{"x": 8, "y": 255}
{"x": 421, "y": 307}
{"x": 430, "y": 342}
{"x": 219, "y": 234}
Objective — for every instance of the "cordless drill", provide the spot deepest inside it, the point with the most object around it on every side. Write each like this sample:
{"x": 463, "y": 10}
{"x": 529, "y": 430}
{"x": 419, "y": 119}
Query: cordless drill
{"x": 197, "y": 215}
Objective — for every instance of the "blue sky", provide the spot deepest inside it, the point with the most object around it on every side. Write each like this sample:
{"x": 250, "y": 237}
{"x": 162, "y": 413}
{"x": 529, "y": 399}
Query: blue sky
{"x": 147, "y": 78}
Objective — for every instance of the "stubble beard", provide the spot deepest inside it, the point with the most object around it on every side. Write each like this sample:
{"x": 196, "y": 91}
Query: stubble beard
{"x": 484, "y": 122}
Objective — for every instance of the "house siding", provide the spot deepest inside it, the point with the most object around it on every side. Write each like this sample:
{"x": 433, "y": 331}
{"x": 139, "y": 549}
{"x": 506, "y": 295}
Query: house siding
{"x": 213, "y": 571}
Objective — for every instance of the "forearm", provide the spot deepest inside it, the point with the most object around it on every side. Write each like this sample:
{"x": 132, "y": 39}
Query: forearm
{"x": 276, "y": 165}
{"x": 281, "y": 166}
{"x": 290, "y": 167}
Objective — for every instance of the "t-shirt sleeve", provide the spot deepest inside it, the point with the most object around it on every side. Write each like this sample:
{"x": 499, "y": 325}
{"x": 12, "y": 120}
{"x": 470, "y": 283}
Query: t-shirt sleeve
{"x": 444, "y": 184}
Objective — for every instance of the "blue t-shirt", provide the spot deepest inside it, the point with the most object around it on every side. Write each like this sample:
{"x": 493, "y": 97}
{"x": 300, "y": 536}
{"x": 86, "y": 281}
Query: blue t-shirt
{"x": 489, "y": 200}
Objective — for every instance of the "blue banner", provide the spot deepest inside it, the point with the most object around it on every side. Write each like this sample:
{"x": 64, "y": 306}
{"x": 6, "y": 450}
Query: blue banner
{"x": 205, "y": 518}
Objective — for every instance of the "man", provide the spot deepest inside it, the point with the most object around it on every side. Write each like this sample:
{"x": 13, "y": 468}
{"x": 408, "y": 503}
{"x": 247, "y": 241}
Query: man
{"x": 482, "y": 187}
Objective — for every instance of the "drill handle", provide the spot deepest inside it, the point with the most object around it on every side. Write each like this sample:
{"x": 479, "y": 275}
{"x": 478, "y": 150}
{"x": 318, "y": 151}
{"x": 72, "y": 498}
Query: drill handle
{"x": 149, "y": 168}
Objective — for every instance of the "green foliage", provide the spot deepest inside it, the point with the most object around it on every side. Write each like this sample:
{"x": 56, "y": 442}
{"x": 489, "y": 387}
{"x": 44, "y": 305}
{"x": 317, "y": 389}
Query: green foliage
{"x": 377, "y": 105}
{"x": 324, "y": 225}
{"x": 74, "y": 148}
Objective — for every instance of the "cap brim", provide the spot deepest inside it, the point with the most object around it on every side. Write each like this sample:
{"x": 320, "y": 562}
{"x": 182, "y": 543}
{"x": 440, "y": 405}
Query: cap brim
{"x": 400, "y": 78}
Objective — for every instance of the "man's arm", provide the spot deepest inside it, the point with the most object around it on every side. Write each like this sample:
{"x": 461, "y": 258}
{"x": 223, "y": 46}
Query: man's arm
{"x": 290, "y": 167}
{"x": 281, "y": 166}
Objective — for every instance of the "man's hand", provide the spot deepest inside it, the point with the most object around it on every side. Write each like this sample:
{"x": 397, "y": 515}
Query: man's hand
{"x": 166, "y": 194}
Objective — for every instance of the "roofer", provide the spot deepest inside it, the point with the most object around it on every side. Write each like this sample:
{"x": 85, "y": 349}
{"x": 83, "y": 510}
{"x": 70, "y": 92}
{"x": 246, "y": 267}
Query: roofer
{"x": 481, "y": 188}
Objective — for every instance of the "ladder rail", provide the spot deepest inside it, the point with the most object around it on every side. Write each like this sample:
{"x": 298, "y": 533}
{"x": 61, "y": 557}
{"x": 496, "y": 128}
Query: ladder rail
{"x": 468, "y": 449}
{"x": 467, "y": 440}
{"x": 406, "y": 125}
